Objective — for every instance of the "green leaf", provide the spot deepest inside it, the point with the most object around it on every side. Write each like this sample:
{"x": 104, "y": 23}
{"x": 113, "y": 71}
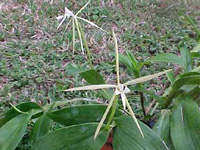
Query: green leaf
{"x": 134, "y": 62}
{"x": 41, "y": 127}
{"x": 92, "y": 77}
{"x": 128, "y": 137}
{"x": 12, "y": 132}
{"x": 186, "y": 80}
{"x": 195, "y": 54}
{"x": 184, "y": 126}
{"x": 194, "y": 93}
{"x": 124, "y": 59}
{"x": 80, "y": 114}
{"x": 171, "y": 76}
{"x": 78, "y": 137}
{"x": 132, "y": 58}
{"x": 162, "y": 125}
{"x": 72, "y": 69}
{"x": 162, "y": 128}
{"x": 189, "y": 78}
{"x": 25, "y": 107}
{"x": 169, "y": 58}
{"x": 186, "y": 57}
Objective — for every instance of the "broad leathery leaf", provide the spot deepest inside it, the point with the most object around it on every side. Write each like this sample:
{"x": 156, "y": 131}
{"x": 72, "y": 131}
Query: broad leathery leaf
{"x": 80, "y": 114}
{"x": 184, "y": 125}
{"x": 162, "y": 128}
{"x": 25, "y": 107}
{"x": 194, "y": 93}
{"x": 187, "y": 74}
{"x": 12, "y": 132}
{"x": 92, "y": 77}
{"x": 78, "y": 137}
{"x": 41, "y": 127}
{"x": 186, "y": 57}
{"x": 187, "y": 80}
{"x": 128, "y": 137}
{"x": 72, "y": 69}
{"x": 169, "y": 58}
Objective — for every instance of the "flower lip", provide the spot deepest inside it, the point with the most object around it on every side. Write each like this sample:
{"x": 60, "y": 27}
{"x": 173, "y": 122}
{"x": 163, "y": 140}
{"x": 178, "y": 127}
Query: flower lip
{"x": 68, "y": 13}
{"x": 122, "y": 89}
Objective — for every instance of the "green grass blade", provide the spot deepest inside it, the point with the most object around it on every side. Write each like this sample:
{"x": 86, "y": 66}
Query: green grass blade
{"x": 168, "y": 58}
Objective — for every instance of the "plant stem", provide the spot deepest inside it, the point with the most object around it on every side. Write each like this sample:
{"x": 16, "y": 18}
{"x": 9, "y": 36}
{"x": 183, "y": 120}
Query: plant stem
{"x": 112, "y": 113}
{"x": 142, "y": 102}
{"x": 154, "y": 101}
{"x": 142, "y": 98}
{"x": 85, "y": 45}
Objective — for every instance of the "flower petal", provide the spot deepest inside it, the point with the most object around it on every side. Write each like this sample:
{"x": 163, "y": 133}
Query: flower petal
{"x": 104, "y": 116}
{"x": 68, "y": 12}
{"x": 59, "y": 17}
{"x": 91, "y": 23}
{"x": 123, "y": 96}
{"x": 146, "y": 78}
{"x": 133, "y": 116}
{"x": 92, "y": 87}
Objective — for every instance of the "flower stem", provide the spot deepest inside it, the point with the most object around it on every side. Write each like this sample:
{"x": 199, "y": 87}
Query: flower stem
{"x": 85, "y": 45}
{"x": 114, "y": 107}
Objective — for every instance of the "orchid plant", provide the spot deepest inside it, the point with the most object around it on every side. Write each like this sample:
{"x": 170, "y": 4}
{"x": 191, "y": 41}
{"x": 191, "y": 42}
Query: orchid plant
{"x": 120, "y": 89}
{"x": 76, "y": 24}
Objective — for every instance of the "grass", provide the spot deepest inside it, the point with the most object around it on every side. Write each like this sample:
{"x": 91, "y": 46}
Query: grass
{"x": 34, "y": 55}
